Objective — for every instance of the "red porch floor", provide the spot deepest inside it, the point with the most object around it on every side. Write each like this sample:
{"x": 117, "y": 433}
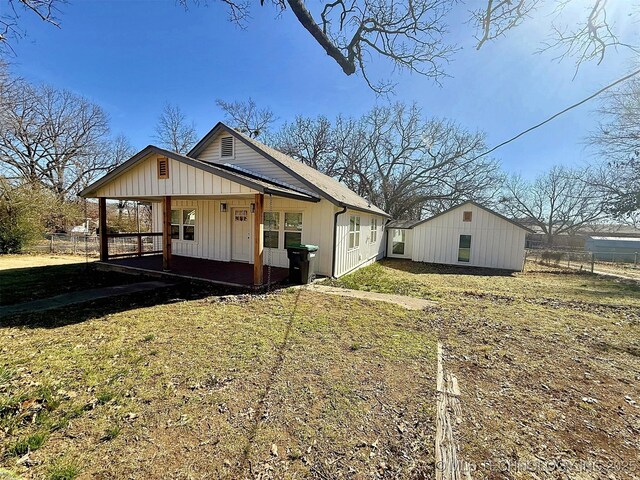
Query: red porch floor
{"x": 225, "y": 273}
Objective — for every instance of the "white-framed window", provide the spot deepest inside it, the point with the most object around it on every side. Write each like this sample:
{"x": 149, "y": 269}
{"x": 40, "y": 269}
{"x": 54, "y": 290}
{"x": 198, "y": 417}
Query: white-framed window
{"x": 398, "y": 240}
{"x": 464, "y": 248}
{"x": 183, "y": 224}
{"x": 271, "y": 229}
{"x": 290, "y": 230}
{"x": 374, "y": 230}
{"x": 227, "y": 147}
{"x": 354, "y": 232}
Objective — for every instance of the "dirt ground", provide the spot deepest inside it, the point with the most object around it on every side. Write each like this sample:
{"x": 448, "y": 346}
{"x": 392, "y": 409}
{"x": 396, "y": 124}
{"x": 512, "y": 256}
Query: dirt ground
{"x": 290, "y": 385}
{"x": 548, "y": 363}
{"x": 25, "y": 261}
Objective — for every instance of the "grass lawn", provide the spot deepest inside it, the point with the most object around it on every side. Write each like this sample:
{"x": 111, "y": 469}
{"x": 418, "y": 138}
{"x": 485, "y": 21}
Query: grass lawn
{"x": 290, "y": 385}
{"x": 30, "y": 277}
{"x": 548, "y": 362}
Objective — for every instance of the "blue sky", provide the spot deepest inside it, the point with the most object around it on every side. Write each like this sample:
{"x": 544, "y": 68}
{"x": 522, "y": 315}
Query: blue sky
{"x": 132, "y": 57}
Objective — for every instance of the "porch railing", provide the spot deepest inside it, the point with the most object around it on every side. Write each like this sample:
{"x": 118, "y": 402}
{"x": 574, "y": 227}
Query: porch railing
{"x": 133, "y": 244}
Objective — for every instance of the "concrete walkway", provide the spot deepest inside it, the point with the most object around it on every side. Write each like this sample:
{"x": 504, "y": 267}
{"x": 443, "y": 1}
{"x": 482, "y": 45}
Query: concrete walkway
{"x": 411, "y": 303}
{"x": 83, "y": 296}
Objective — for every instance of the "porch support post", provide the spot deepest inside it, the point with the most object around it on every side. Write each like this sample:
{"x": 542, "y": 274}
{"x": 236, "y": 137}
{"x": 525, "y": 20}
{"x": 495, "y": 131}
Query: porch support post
{"x": 102, "y": 222}
{"x": 258, "y": 241}
{"x": 166, "y": 233}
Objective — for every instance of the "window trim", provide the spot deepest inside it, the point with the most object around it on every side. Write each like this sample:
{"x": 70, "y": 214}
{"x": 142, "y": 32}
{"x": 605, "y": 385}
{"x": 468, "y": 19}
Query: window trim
{"x": 181, "y": 225}
{"x": 355, "y": 233}
{"x": 281, "y": 228}
{"x": 460, "y": 248}
{"x": 233, "y": 147}
{"x": 373, "y": 235}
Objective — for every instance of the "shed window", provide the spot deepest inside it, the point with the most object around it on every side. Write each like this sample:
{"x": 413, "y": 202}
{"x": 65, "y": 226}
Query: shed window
{"x": 466, "y": 216}
{"x": 398, "y": 241}
{"x": 183, "y": 224}
{"x": 354, "y": 232}
{"x": 226, "y": 147}
{"x": 163, "y": 168}
{"x": 464, "y": 248}
{"x": 374, "y": 230}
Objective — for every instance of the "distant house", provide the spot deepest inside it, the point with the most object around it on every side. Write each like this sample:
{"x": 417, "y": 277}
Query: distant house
{"x": 614, "y": 249}
{"x": 468, "y": 234}
{"x": 237, "y": 204}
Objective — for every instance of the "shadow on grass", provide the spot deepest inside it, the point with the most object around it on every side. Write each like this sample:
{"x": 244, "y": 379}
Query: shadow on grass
{"x": 418, "y": 268}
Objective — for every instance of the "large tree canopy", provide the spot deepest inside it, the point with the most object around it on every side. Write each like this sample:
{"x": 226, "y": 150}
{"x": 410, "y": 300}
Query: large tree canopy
{"x": 405, "y": 163}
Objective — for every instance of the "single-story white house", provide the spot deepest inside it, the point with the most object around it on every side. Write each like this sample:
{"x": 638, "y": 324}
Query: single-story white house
{"x": 231, "y": 206}
{"x": 468, "y": 234}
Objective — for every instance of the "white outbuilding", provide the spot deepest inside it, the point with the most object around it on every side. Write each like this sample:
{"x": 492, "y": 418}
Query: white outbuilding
{"x": 468, "y": 234}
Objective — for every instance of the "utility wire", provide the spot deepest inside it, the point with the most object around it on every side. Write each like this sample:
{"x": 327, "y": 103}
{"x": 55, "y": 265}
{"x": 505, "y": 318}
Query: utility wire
{"x": 571, "y": 107}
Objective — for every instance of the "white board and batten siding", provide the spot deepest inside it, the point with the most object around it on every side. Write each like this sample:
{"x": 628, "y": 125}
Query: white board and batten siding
{"x": 495, "y": 242}
{"x": 247, "y": 158}
{"x": 213, "y": 232}
{"x": 184, "y": 180}
{"x": 368, "y": 251}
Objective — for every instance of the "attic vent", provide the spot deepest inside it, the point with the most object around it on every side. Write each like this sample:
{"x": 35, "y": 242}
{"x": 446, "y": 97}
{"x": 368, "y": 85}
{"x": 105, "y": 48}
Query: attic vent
{"x": 226, "y": 147}
{"x": 163, "y": 167}
{"x": 466, "y": 216}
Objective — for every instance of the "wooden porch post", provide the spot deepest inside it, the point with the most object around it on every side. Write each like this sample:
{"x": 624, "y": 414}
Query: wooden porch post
{"x": 102, "y": 222}
{"x": 166, "y": 233}
{"x": 258, "y": 241}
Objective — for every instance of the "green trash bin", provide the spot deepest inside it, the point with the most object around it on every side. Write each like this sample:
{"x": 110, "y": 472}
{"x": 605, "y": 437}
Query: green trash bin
{"x": 302, "y": 260}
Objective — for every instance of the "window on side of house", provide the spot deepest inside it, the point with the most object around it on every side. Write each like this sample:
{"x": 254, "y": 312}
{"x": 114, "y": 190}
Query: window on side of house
{"x": 464, "y": 248}
{"x": 271, "y": 229}
{"x": 466, "y": 216}
{"x": 374, "y": 230}
{"x": 354, "y": 232}
{"x": 292, "y": 228}
{"x": 398, "y": 241}
{"x": 183, "y": 224}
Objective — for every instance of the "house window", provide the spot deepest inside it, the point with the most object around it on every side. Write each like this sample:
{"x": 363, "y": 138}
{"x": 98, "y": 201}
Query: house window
{"x": 466, "y": 216}
{"x": 183, "y": 224}
{"x": 464, "y": 248}
{"x": 374, "y": 230}
{"x": 163, "y": 168}
{"x": 271, "y": 229}
{"x": 354, "y": 232}
{"x": 398, "y": 241}
{"x": 226, "y": 147}
{"x": 292, "y": 229}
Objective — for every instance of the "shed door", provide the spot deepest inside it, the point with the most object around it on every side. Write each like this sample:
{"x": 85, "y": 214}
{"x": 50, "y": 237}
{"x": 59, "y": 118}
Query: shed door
{"x": 241, "y": 235}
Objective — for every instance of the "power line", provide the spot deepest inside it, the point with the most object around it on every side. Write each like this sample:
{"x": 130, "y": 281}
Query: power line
{"x": 571, "y": 107}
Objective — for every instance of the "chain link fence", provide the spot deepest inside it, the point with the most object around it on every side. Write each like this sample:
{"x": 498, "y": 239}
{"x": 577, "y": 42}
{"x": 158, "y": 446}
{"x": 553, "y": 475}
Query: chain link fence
{"x": 620, "y": 263}
{"x": 62, "y": 243}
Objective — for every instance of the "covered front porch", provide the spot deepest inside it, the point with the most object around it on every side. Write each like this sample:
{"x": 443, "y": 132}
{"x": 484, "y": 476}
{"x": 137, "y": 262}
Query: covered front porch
{"x": 235, "y": 274}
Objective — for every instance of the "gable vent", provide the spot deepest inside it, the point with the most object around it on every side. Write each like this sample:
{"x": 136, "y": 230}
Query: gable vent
{"x": 163, "y": 167}
{"x": 226, "y": 147}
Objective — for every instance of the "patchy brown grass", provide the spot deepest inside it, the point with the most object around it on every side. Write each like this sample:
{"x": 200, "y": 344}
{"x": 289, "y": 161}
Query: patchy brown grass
{"x": 549, "y": 365}
{"x": 289, "y": 385}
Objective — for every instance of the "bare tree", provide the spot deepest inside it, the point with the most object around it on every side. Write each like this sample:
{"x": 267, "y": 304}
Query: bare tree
{"x": 173, "y": 131}
{"x": 413, "y": 34}
{"x": 617, "y": 143}
{"x": 402, "y": 162}
{"x": 10, "y": 29}
{"x": 560, "y": 201}
{"x": 51, "y": 137}
{"x": 247, "y": 117}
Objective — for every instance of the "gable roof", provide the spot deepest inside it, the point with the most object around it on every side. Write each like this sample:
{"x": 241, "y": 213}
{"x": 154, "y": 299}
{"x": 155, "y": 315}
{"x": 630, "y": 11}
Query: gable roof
{"x": 324, "y": 185}
{"x": 260, "y": 184}
{"x": 408, "y": 224}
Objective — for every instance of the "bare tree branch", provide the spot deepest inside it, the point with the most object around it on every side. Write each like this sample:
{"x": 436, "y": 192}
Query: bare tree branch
{"x": 173, "y": 131}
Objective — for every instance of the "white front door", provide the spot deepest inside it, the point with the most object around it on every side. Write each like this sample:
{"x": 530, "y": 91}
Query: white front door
{"x": 241, "y": 235}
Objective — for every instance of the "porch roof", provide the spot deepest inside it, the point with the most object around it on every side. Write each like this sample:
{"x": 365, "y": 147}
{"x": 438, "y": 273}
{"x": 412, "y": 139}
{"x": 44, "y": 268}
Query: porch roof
{"x": 258, "y": 184}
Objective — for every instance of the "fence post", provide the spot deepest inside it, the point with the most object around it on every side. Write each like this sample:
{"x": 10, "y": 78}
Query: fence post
{"x": 635, "y": 259}
{"x": 139, "y": 245}
{"x": 592, "y": 261}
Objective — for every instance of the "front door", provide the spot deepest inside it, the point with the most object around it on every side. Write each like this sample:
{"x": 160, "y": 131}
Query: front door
{"x": 241, "y": 235}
